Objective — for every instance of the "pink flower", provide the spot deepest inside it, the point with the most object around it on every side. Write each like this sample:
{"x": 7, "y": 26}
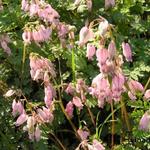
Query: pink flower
{"x": 127, "y": 51}
{"x": 5, "y": 47}
{"x": 131, "y": 96}
{"x": 112, "y": 49}
{"x": 85, "y": 35}
{"x": 109, "y": 3}
{"x": 118, "y": 82}
{"x": 45, "y": 115}
{"x": 101, "y": 89}
{"x": 80, "y": 86}
{"x": 26, "y": 36}
{"x": 97, "y": 145}
{"x": 102, "y": 55}
{"x": 17, "y": 108}
{"x": 24, "y": 5}
{"x": 37, "y": 133}
{"x": 33, "y": 9}
{"x": 69, "y": 109}
{"x": 135, "y": 86}
{"x": 62, "y": 30}
{"x": 89, "y": 4}
{"x": 147, "y": 94}
{"x": 117, "y": 86}
{"x": 77, "y": 102}
{"x": 21, "y": 119}
{"x": 83, "y": 134}
{"x": 90, "y": 51}
{"x": 70, "y": 89}
{"x": 103, "y": 27}
{"x": 48, "y": 95}
{"x": 145, "y": 122}
{"x": 30, "y": 124}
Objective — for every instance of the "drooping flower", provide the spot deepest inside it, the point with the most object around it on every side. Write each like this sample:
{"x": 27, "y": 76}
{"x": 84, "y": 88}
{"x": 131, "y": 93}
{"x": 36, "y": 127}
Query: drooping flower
{"x": 127, "y": 51}
{"x": 102, "y": 55}
{"x": 117, "y": 86}
{"x": 109, "y": 3}
{"x": 89, "y": 4}
{"x": 147, "y": 94}
{"x": 135, "y": 86}
{"x": 77, "y": 102}
{"x": 131, "y": 96}
{"x": 4, "y": 40}
{"x": 112, "y": 49}
{"x": 90, "y": 51}
{"x": 97, "y": 145}
{"x": 69, "y": 109}
{"x": 33, "y": 9}
{"x": 101, "y": 89}
{"x": 21, "y": 119}
{"x": 145, "y": 122}
{"x": 37, "y": 133}
{"x": 83, "y": 134}
{"x": 26, "y": 36}
{"x": 49, "y": 94}
{"x": 103, "y": 27}
{"x": 17, "y": 108}
{"x": 45, "y": 114}
{"x": 10, "y": 93}
{"x": 85, "y": 35}
{"x": 70, "y": 89}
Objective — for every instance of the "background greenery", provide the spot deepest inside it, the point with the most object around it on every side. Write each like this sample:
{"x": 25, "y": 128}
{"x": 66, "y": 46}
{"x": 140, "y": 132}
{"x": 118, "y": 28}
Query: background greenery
{"x": 132, "y": 23}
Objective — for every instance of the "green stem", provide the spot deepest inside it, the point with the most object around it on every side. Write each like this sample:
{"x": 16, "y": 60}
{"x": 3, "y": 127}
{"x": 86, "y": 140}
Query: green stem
{"x": 91, "y": 116}
{"x": 73, "y": 65}
{"x": 58, "y": 141}
{"x": 23, "y": 64}
{"x": 147, "y": 83}
{"x": 113, "y": 126}
{"x": 124, "y": 110}
{"x": 23, "y": 57}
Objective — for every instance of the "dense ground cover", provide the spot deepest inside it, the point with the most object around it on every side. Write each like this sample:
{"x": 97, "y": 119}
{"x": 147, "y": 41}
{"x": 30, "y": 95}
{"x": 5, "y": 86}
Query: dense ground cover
{"x": 74, "y": 75}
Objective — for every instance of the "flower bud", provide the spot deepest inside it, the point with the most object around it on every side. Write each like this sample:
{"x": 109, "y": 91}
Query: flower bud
{"x": 77, "y": 102}
{"x": 109, "y": 3}
{"x": 127, "y": 51}
{"x": 69, "y": 109}
{"x": 102, "y": 55}
{"x": 112, "y": 49}
{"x": 83, "y": 134}
{"x": 37, "y": 133}
{"x": 90, "y": 51}
{"x": 21, "y": 119}
{"x": 147, "y": 94}
{"x": 103, "y": 27}
{"x": 145, "y": 122}
{"x": 135, "y": 86}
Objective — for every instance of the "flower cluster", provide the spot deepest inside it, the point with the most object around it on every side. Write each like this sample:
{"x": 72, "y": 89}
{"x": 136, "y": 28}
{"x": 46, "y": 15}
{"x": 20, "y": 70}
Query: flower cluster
{"x": 33, "y": 121}
{"x": 38, "y": 34}
{"x": 4, "y": 40}
{"x": 41, "y": 69}
{"x": 111, "y": 82}
{"x": 40, "y": 9}
{"x": 78, "y": 92}
{"x": 48, "y": 20}
{"x": 95, "y": 145}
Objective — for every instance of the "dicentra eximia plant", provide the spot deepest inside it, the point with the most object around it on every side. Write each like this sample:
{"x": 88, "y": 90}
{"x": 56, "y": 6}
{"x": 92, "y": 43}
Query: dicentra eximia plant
{"x": 108, "y": 87}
